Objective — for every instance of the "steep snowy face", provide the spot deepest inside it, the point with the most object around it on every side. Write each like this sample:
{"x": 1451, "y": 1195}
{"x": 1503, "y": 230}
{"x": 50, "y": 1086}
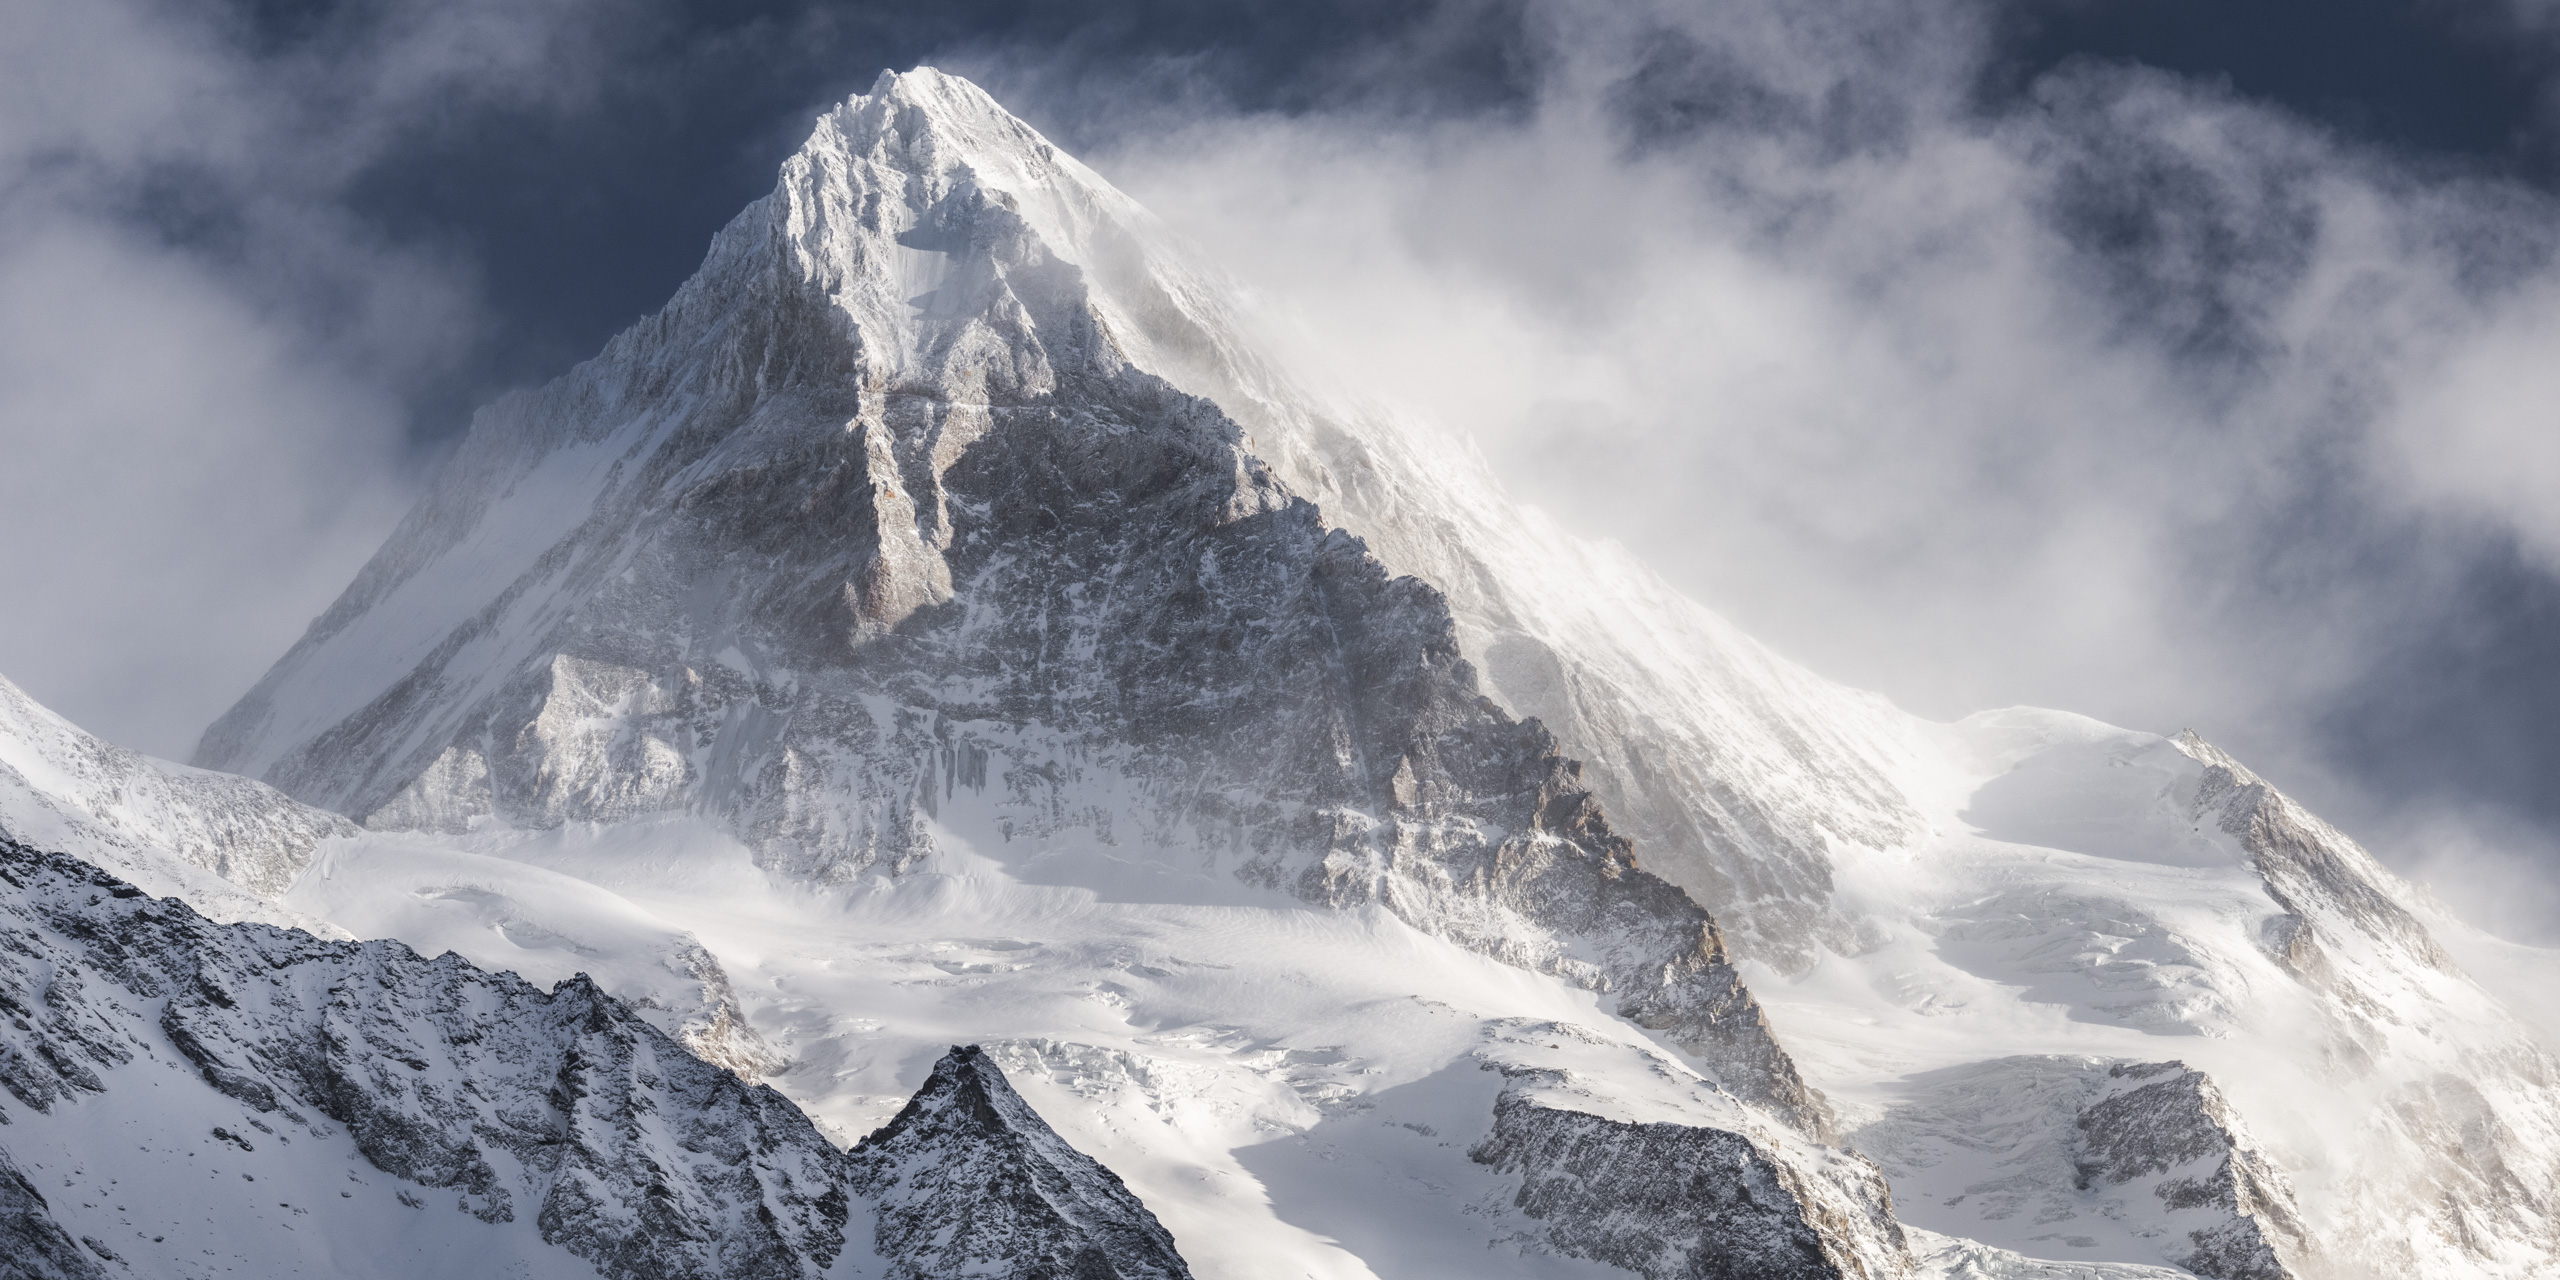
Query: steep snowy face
{"x": 877, "y": 527}
{"x": 944, "y": 550}
{"x": 228, "y": 844}
{"x": 2119, "y": 898}
{"x": 933, "y": 303}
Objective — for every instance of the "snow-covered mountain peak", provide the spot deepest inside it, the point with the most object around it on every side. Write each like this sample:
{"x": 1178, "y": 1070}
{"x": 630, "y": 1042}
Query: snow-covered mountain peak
{"x": 942, "y": 602}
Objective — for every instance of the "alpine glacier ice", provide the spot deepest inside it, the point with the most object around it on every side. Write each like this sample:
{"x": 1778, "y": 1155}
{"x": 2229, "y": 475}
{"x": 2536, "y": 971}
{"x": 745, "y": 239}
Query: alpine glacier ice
{"x": 228, "y": 843}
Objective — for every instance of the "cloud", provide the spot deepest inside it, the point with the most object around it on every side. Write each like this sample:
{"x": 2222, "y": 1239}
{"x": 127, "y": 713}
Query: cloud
{"x": 2122, "y": 394}
{"x": 205, "y": 357}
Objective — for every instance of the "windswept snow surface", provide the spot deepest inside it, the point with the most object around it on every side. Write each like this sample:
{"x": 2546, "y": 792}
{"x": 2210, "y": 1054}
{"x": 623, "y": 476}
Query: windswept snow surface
{"x": 225, "y": 843}
{"x": 2086, "y": 906}
{"x": 1296, "y": 1091}
{"x": 1292, "y": 1091}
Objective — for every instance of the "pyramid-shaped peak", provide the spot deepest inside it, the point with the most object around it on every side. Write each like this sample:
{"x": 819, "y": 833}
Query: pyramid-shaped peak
{"x": 969, "y": 1171}
{"x": 934, "y": 90}
{"x": 968, "y": 1089}
{"x": 926, "y": 120}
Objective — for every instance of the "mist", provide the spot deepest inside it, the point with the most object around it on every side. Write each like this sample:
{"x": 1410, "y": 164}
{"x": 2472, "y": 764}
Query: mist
{"x": 2124, "y": 395}
{"x": 207, "y": 359}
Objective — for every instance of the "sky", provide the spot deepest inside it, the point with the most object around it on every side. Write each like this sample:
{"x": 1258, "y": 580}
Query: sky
{"x": 2175, "y": 362}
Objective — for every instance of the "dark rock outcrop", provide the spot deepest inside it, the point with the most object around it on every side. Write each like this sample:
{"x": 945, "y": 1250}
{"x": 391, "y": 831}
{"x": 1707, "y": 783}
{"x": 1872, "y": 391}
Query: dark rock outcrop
{"x": 564, "y": 1106}
{"x": 1687, "y": 1202}
{"x": 2161, "y": 1123}
{"x": 968, "y": 1171}
{"x": 32, "y": 1245}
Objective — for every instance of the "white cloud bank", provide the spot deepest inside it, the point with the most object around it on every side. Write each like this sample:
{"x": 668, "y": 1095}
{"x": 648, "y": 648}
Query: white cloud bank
{"x": 2128, "y": 396}
{"x": 203, "y": 355}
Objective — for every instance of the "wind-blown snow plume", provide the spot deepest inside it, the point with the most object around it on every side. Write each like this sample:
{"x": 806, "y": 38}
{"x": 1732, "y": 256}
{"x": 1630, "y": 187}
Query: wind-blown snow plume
{"x": 2119, "y": 392}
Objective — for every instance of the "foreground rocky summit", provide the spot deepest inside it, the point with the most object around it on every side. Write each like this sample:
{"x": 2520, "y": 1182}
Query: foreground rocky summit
{"x": 242, "y": 1065}
{"x": 968, "y": 1171}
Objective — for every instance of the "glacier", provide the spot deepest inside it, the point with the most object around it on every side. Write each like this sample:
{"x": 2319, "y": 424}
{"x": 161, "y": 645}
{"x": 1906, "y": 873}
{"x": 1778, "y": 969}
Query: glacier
{"x": 943, "y": 626}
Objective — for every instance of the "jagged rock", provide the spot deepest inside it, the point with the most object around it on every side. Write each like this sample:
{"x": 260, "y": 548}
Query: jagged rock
{"x": 1686, "y": 1202}
{"x": 968, "y": 1171}
{"x": 564, "y": 1109}
{"x": 2133, "y": 1162}
{"x": 32, "y": 1245}
{"x": 2162, "y": 1125}
{"x": 560, "y": 1107}
{"x": 929, "y": 505}
{"x": 880, "y": 502}
{"x": 2311, "y": 869}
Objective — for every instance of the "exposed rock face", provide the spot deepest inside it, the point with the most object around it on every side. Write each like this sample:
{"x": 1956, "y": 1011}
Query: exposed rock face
{"x": 2469, "y": 1103}
{"x": 929, "y": 507}
{"x": 510, "y": 1103}
{"x": 167, "y": 826}
{"x": 1685, "y": 1202}
{"x": 969, "y": 1171}
{"x": 879, "y": 519}
{"x": 2168, "y": 1128}
{"x": 32, "y": 1245}
{"x": 2311, "y": 868}
{"x": 563, "y": 1110}
{"x": 2064, "y": 1156}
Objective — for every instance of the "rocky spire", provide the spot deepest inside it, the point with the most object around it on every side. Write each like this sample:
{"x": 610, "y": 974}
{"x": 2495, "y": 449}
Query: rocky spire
{"x": 969, "y": 1171}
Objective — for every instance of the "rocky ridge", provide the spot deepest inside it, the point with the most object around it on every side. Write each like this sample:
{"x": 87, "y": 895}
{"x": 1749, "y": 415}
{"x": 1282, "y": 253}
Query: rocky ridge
{"x": 2044, "y": 1147}
{"x": 904, "y": 533}
{"x": 37, "y": 1246}
{"x": 230, "y": 844}
{"x": 968, "y": 1171}
{"x": 2470, "y": 1102}
{"x": 2169, "y": 1129}
{"x": 562, "y": 1110}
{"x": 1672, "y": 1201}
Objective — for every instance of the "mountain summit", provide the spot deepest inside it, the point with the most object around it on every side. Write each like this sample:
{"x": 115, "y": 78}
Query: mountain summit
{"x": 944, "y": 614}
{"x": 880, "y": 511}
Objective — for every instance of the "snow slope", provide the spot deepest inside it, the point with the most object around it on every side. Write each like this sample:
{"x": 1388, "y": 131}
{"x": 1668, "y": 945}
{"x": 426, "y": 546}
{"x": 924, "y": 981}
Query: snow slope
{"x": 228, "y": 844}
{"x": 1294, "y": 1091}
{"x": 848, "y": 550}
{"x": 2106, "y": 898}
